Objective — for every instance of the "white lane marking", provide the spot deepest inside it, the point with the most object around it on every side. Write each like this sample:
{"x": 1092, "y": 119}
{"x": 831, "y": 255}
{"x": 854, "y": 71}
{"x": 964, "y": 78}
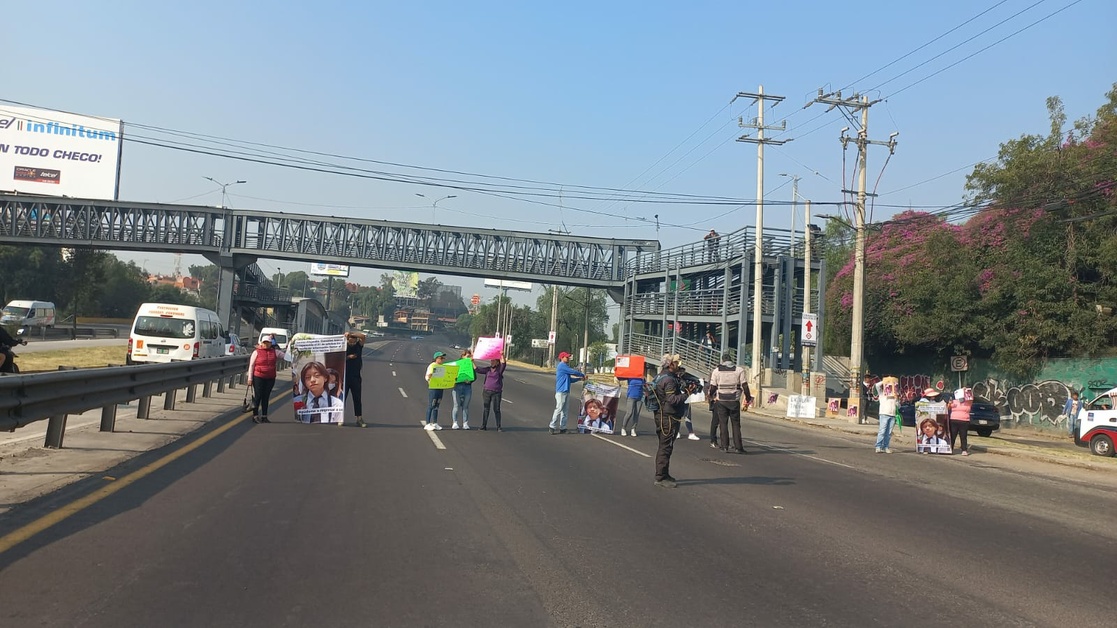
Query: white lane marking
{"x": 791, "y": 451}
{"x": 434, "y": 438}
{"x": 393, "y": 373}
{"x": 402, "y": 393}
{"x": 613, "y": 442}
{"x": 503, "y": 400}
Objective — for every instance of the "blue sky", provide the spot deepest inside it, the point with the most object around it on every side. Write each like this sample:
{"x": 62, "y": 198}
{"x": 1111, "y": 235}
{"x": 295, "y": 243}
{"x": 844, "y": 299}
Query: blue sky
{"x": 627, "y": 95}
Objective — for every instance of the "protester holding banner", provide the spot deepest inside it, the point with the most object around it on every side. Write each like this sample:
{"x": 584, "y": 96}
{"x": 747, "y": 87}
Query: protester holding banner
{"x": 886, "y": 390}
{"x": 463, "y": 390}
{"x": 960, "y": 418}
{"x": 599, "y": 407}
{"x": 564, "y": 376}
{"x": 635, "y": 396}
{"x": 930, "y": 413}
{"x": 492, "y": 391}
{"x": 354, "y": 360}
{"x": 434, "y": 397}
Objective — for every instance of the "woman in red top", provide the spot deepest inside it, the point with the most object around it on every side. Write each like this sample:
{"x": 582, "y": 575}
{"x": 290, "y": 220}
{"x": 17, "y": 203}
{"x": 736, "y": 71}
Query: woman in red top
{"x": 261, "y": 377}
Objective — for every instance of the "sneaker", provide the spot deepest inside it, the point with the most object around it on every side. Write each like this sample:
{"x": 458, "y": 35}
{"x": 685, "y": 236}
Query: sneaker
{"x": 562, "y": 431}
{"x": 693, "y": 436}
{"x": 666, "y": 483}
{"x": 500, "y": 429}
{"x": 887, "y": 450}
{"x": 965, "y": 453}
{"x": 632, "y": 433}
{"x": 437, "y": 426}
{"x": 483, "y": 428}
{"x": 742, "y": 451}
{"x": 360, "y": 422}
{"x": 465, "y": 426}
{"x": 455, "y": 426}
{"x": 678, "y": 436}
{"x": 429, "y": 427}
{"x": 624, "y": 432}
{"x": 714, "y": 445}
{"x": 552, "y": 430}
{"x": 878, "y": 450}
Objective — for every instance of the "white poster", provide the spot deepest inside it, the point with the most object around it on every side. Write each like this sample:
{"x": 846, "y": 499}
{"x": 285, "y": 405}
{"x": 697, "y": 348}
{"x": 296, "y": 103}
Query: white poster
{"x": 802, "y": 407}
{"x": 318, "y": 378}
{"x": 329, "y": 270}
{"x": 59, "y": 154}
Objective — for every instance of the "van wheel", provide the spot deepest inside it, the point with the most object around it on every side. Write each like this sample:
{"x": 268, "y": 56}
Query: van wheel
{"x": 1102, "y": 445}
{"x": 986, "y": 432}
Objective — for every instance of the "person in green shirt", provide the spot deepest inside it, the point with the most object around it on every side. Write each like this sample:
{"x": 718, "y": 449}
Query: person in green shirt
{"x": 463, "y": 390}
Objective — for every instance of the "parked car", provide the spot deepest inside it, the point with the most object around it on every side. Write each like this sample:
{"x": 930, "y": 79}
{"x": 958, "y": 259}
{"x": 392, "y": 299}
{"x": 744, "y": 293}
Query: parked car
{"x": 235, "y": 346}
{"x": 984, "y": 417}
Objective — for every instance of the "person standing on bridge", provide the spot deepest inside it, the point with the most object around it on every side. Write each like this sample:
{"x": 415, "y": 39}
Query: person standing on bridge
{"x": 354, "y": 360}
{"x": 564, "y": 376}
{"x": 261, "y": 377}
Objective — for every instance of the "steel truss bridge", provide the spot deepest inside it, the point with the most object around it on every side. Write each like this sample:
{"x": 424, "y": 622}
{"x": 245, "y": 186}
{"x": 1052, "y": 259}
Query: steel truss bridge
{"x": 234, "y": 239}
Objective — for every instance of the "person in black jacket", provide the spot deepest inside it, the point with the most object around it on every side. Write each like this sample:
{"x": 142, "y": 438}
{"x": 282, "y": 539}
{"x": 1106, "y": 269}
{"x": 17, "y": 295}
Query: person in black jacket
{"x": 672, "y": 401}
{"x": 354, "y": 360}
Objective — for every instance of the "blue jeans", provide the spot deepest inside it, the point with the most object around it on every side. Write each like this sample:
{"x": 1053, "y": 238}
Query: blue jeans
{"x": 434, "y": 399}
{"x": 463, "y": 393}
{"x": 558, "y": 419}
{"x": 884, "y": 434}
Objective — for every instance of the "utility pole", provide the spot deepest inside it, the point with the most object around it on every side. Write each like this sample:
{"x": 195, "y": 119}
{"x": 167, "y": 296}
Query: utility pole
{"x": 807, "y": 294}
{"x": 849, "y": 106}
{"x": 758, "y": 255}
{"x": 554, "y": 323}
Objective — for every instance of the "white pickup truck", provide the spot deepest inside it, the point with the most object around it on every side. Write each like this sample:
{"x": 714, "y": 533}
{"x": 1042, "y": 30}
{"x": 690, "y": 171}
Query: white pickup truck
{"x": 1097, "y": 424}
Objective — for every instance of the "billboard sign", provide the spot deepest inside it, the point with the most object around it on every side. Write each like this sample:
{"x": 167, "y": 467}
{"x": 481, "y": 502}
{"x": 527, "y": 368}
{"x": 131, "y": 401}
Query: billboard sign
{"x": 59, "y": 154}
{"x": 508, "y": 285}
{"x": 328, "y": 270}
{"x": 406, "y": 284}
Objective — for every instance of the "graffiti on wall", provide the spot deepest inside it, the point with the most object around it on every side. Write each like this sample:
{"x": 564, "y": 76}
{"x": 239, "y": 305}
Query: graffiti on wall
{"x": 1038, "y": 404}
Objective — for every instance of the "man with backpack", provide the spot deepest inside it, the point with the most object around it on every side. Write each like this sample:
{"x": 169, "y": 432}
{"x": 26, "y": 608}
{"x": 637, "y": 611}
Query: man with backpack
{"x": 667, "y": 401}
{"x": 730, "y": 387}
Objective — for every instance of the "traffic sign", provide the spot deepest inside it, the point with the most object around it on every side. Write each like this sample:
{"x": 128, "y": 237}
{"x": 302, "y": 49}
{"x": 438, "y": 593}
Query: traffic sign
{"x": 959, "y": 363}
{"x": 808, "y": 331}
{"x": 538, "y": 343}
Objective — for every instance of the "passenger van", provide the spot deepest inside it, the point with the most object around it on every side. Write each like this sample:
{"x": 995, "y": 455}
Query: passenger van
{"x": 164, "y": 332}
{"x": 28, "y": 314}
{"x": 281, "y": 336}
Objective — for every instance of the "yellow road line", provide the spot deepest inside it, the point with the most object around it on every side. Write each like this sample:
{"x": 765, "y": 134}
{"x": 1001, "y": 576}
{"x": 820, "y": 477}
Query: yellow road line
{"x": 10, "y": 540}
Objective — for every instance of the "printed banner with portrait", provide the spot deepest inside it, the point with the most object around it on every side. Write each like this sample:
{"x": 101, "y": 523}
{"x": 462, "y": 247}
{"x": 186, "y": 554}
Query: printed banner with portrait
{"x": 599, "y": 409}
{"x": 934, "y": 432}
{"x": 318, "y": 378}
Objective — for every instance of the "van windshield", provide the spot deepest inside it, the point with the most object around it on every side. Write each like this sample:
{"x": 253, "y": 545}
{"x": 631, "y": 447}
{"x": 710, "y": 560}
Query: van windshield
{"x": 15, "y": 311}
{"x": 164, "y": 327}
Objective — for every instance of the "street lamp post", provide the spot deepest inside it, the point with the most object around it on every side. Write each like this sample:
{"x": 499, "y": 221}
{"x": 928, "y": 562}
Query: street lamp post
{"x": 434, "y": 205}
{"x": 224, "y": 187}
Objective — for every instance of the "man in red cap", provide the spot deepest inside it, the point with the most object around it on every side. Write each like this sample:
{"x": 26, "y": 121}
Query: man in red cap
{"x": 564, "y": 375}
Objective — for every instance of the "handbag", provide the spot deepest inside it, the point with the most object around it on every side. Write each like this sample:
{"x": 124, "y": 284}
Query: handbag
{"x": 249, "y": 399}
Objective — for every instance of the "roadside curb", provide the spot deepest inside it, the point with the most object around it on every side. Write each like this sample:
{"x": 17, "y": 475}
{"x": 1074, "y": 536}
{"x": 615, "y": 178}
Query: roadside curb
{"x": 1000, "y": 447}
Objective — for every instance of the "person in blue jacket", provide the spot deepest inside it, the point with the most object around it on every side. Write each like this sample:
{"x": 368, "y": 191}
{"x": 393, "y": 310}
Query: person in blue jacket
{"x": 635, "y": 397}
{"x": 564, "y": 375}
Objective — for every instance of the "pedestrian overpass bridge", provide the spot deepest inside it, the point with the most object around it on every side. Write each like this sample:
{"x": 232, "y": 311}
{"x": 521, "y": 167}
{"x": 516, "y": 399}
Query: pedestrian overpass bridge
{"x": 235, "y": 238}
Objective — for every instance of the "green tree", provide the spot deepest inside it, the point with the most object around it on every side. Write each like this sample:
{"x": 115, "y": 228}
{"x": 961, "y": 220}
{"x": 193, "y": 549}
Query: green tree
{"x": 124, "y": 290}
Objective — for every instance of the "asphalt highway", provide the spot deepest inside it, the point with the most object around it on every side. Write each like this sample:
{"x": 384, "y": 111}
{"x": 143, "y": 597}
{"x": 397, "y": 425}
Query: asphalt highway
{"x": 308, "y": 525}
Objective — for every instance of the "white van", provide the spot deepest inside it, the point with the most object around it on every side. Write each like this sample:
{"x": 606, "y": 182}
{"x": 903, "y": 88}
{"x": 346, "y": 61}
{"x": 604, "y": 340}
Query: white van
{"x": 164, "y": 332}
{"x": 28, "y": 314}
{"x": 281, "y": 336}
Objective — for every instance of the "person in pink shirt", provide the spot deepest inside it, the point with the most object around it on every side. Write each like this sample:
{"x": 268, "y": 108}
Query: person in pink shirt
{"x": 960, "y": 419}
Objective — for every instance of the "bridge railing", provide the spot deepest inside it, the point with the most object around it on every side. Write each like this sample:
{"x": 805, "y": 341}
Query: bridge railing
{"x": 25, "y": 399}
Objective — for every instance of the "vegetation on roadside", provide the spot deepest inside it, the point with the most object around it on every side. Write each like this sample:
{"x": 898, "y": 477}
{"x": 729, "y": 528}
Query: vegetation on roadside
{"x": 90, "y": 357}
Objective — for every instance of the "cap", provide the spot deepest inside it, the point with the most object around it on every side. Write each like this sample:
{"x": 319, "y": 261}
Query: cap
{"x": 726, "y": 357}
{"x": 439, "y": 354}
{"x": 930, "y": 392}
{"x": 563, "y": 355}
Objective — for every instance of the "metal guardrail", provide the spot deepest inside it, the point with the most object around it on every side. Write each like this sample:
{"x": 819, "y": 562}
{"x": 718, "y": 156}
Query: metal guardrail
{"x": 25, "y": 399}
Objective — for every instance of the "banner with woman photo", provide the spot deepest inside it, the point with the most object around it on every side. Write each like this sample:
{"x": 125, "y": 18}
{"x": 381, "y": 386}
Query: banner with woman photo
{"x": 318, "y": 378}
{"x": 599, "y": 409}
